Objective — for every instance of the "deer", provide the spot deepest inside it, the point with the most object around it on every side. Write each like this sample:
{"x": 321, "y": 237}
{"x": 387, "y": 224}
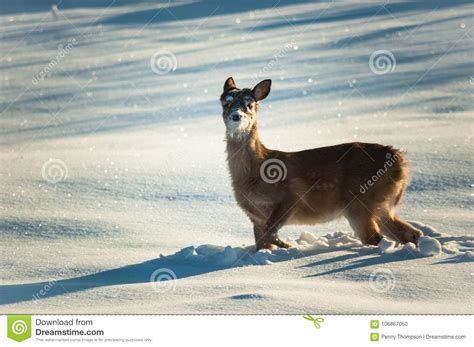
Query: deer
{"x": 363, "y": 182}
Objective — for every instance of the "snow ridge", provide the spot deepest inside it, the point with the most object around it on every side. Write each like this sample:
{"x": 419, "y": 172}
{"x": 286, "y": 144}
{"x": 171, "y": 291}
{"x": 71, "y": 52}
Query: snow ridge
{"x": 432, "y": 244}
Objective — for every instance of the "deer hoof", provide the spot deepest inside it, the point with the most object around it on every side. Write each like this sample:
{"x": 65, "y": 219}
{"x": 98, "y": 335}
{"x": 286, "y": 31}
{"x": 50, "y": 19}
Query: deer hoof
{"x": 280, "y": 243}
{"x": 273, "y": 244}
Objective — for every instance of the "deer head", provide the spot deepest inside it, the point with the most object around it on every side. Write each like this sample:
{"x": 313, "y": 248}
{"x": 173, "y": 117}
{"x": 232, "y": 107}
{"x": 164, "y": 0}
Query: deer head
{"x": 240, "y": 107}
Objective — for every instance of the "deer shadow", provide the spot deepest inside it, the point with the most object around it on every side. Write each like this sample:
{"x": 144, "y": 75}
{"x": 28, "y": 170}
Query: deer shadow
{"x": 130, "y": 274}
{"x": 358, "y": 262}
{"x": 144, "y": 273}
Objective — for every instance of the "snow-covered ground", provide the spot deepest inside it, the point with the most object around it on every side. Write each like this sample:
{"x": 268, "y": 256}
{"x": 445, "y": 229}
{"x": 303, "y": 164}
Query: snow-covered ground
{"x": 113, "y": 166}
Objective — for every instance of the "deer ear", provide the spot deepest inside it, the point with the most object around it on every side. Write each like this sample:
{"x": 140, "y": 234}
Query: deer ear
{"x": 229, "y": 84}
{"x": 262, "y": 89}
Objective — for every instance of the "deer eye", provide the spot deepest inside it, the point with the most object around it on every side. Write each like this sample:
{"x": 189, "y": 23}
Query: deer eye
{"x": 228, "y": 99}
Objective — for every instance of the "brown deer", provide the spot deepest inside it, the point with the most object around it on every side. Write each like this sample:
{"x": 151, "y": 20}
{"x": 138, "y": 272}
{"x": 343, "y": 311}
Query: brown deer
{"x": 363, "y": 182}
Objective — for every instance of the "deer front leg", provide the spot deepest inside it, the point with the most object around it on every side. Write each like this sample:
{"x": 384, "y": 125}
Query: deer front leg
{"x": 258, "y": 231}
{"x": 267, "y": 236}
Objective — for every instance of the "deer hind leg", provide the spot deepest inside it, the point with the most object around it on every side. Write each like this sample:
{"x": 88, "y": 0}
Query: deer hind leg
{"x": 391, "y": 225}
{"x": 399, "y": 230}
{"x": 394, "y": 227}
{"x": 364, "y": 225}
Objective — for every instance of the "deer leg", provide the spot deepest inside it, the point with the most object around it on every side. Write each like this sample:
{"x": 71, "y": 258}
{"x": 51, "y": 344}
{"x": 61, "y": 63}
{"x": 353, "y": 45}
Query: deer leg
{"x": 259, "y": 236}
{"x": 277, "y": 220}
{"x": 399, "y": 230}
{"x": 364, "y": 225}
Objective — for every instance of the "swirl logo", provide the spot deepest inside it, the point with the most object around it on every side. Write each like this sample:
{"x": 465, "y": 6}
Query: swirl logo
{"x": 273, "y": 171}
{"x": 382, "y": 281}
{"x": 163, "y": 280}
{"x": 163, "y": 62}
{"x": 54, "y": 171}
{"x": 382, "y": 62}
{"x": 19, "y": 327}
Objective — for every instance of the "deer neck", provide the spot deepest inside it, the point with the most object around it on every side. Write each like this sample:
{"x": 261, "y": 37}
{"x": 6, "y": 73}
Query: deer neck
{"x": 245, "y": 155}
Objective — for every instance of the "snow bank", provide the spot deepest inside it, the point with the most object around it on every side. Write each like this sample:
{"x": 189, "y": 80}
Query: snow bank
{"x": 431, "y": 244}
{"x": 228, "y": 256}
{"x": 436, "y": 243}
{"x": 308, "y": 244}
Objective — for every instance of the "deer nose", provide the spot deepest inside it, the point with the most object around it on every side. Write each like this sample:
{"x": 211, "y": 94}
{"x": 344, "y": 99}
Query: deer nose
{"x": 236, "y": 117}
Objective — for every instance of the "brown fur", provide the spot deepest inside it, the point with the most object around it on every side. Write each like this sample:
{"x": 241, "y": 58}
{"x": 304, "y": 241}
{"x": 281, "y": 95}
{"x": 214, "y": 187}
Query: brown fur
{"x": 320, "y": 184}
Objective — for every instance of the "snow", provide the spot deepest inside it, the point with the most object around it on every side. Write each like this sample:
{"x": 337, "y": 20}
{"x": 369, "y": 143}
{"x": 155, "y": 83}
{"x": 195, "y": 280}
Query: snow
{"x": 386, "y": 246}
{"x": 305, "y": 245}
{"x": 429, "y": 246}
{"x": 242, "y": 256}
{"x": 112, "y": 154}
